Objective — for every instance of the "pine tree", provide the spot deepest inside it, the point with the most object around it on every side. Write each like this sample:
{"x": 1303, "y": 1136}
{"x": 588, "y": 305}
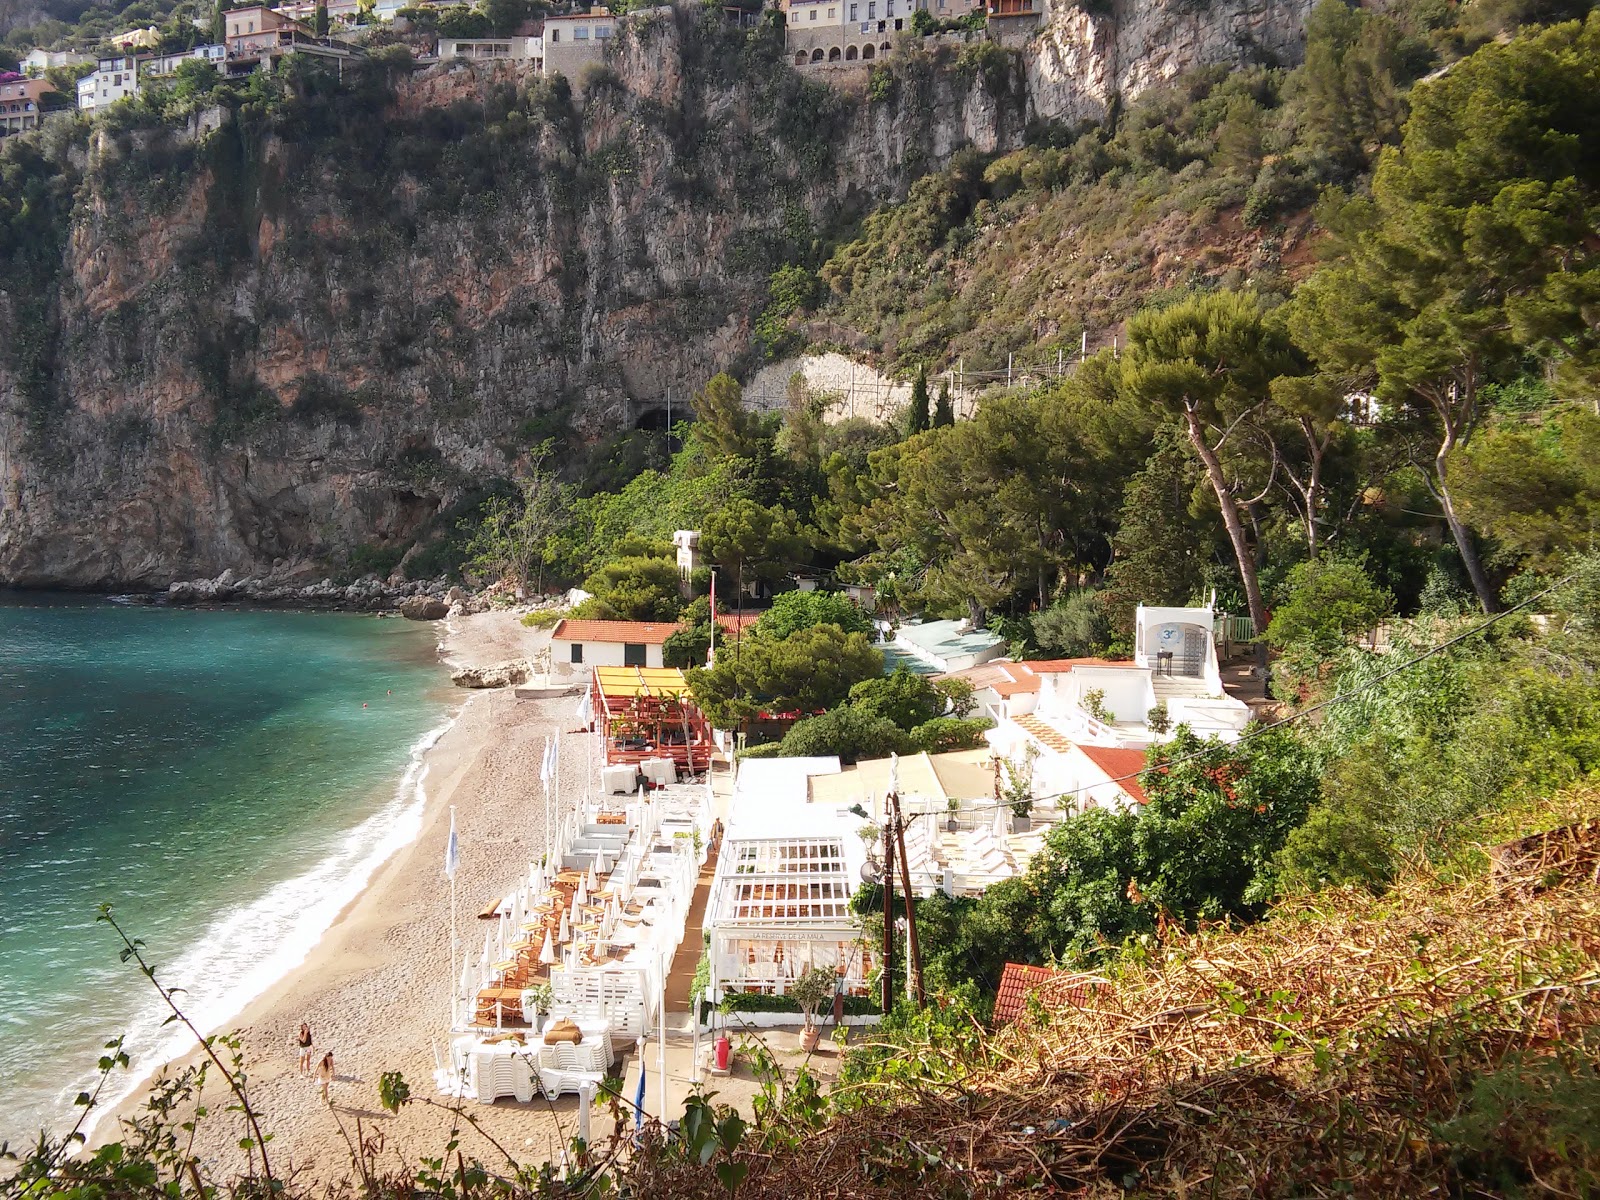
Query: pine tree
{"x": 944, "y": 412}
{"x": 917, "y": 411}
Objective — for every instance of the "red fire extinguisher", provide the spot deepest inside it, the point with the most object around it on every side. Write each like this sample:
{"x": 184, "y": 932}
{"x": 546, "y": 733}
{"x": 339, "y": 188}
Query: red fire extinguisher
{"x": 724, "y": 1052}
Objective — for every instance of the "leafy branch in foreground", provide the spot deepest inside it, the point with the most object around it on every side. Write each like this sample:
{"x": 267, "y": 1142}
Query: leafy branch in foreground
{"x": 133, "y": 950}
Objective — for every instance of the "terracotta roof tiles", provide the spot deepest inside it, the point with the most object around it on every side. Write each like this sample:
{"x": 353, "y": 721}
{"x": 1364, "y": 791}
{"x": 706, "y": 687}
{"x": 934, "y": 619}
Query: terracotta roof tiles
{"x": 649, "y": 633}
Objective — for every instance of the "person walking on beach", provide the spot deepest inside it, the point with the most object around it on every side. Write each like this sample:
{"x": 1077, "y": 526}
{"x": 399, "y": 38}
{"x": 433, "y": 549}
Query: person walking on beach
{"x": 325, "y": 1075}
{"x": 303, "y": 1040}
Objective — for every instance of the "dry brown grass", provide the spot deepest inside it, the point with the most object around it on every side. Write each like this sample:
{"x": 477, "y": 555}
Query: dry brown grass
{"x": 1440, "y": 1039}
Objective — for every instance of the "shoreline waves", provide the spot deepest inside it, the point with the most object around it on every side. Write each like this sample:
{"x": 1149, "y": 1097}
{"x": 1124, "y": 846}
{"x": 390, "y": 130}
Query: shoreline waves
{"x": 294, "y": 914}
{"x": 375, "y": 985}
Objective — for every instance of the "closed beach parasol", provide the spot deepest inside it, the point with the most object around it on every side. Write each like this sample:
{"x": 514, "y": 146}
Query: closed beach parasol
{"x": 547, "y": 955}
{"x": 581, "y": 896}
{"x": 591, "y": 883}
{"x": 1000, "y": 829}
{"x": 566, "y": 929}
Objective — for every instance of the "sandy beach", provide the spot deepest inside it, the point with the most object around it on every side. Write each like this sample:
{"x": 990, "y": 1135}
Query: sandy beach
{"x": 374, "y": 990}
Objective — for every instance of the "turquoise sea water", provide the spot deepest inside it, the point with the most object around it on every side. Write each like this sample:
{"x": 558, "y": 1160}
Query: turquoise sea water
{"x": 215, "y": 777}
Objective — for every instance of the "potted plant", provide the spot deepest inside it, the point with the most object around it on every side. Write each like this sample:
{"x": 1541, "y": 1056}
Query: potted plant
{"x": 953, "y": 806}
{"x": 1018, "y": 790}
{"x": 538, "y": 996}
{"x": 1159, "y": 720}
{"x": 810, "y": 992}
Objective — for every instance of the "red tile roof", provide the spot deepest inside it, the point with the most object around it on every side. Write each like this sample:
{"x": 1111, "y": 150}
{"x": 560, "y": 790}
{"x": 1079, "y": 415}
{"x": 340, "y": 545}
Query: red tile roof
{"x": 1055, "y": 989}
{"x": 1116, "y": 763}
{"x": 649, "y": 633}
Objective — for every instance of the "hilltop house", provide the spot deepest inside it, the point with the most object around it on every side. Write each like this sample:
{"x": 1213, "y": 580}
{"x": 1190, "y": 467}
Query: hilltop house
{"x": 258, "y": 37}
{"x": 136, "y": 39}
{"x": 163, "y": 65}
{"x": 850, "y": 31}
{"x": 37, "y": 62}
{"x": 19, "y": 104}
{"x": 113, "y": 79}
{"x": 505, "y": 49}
{"x": 574, "y": 41}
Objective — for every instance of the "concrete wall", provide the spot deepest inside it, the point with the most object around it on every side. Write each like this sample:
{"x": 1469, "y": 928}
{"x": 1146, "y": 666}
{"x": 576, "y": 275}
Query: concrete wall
{"x": 595, "y": 654}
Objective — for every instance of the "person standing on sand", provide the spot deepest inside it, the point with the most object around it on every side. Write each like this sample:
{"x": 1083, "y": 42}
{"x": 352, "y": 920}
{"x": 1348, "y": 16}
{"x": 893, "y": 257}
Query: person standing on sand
{"x": 325, "y": 1076}
{"x": 303, "y": 1040}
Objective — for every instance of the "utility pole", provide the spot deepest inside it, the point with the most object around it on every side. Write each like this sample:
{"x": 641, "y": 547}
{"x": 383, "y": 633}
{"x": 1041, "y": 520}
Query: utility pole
{"x": 888, "y": 914}
{"x": 669, "y": 420}
{"x": 1009, "y": 357}
{"x": 911, "y": 910}
{"x": 1083, "y": 349}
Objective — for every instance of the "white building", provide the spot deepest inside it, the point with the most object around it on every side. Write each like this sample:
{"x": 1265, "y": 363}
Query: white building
{"x": 113, "y": 79}
{"x": 506, "y": 49}
{"x": 943, "y": 646}
{"x": 37, "y": 62}
{"x": 577, "y": 647}
{"x": 573, "y": 42}
{"x": 1085, "y": 703}
{"x": 780, "y": 900}
{"x": 687, "y": 544}
{"x": 163, "y": 65}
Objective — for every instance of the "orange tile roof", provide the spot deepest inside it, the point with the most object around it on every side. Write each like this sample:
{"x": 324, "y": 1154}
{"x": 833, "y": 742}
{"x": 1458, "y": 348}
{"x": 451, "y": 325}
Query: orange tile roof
{"x": 1116, "y": 763}
{"x": 1056, "y": 666}
{"x": 650, "y": 633}
{"x": 739, "y": 621}
{"x": 1054, "y": 988}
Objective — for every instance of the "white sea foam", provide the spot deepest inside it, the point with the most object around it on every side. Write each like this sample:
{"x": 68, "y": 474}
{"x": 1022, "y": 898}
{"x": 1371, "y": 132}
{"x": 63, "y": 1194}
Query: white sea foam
{"x": 248, "y": 949}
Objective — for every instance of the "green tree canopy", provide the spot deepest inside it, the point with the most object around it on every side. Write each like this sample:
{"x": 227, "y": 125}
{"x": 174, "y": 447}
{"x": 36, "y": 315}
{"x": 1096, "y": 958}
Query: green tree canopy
{"x": 850, "y": 732}
{"x": 1475, "y": 248}
{"x": 725, "y": 423}
{"x": 918, "y": 418}
{"x": 810, "y": 670}
{"x": 792, "y": 611}
{"x": 1209, "y": 363}
{"x": 904, "y": 697}
{"x": 1326, "y": 601}
{"x": 635, "y": 588}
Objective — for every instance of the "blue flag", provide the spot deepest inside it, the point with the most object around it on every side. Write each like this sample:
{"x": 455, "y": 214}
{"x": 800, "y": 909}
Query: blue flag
{"x": 638, "y": 1096}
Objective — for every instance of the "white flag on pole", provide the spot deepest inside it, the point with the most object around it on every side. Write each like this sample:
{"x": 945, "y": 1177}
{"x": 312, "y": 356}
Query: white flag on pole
{"x": 546, "y": 767}
{"x": 452, "y": 850}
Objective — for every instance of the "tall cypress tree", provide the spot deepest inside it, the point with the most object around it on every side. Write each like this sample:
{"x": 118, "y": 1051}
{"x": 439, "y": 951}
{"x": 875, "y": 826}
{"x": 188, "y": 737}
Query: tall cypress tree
{"x": 944, "y": 412}
{"x": 917, "y": 411}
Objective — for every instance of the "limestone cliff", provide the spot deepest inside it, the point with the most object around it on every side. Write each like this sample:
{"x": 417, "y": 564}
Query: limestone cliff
{"x": 1085, "y": 57}
{"x": 294, "y": 338}
{"x": 292, "y": 343}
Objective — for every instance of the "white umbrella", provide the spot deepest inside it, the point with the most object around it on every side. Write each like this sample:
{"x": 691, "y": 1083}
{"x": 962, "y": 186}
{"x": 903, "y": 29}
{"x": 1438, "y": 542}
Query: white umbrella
{"x": 604, "y": 863}
{"x": 581, "y": 896}
{"x": 547, "y": 955}
{"x": 590, "y": 880}
{"x": 500, "y": 941}
{"x": 1000, "y": 829}
{"x": 566, "y": 930}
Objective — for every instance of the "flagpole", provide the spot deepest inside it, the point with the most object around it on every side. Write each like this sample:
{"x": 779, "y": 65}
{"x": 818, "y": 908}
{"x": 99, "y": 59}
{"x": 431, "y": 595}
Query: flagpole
{"x": 452, "y": 855}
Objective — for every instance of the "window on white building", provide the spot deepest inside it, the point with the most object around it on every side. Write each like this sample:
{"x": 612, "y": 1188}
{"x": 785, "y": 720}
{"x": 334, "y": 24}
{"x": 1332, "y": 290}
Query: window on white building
{"x": 602, "y": 31}
{"x": 555, "y": 34}
{"x": 812, "y": 16}
{"x": 854, "y": 8}
{"x": 580, "y": 34}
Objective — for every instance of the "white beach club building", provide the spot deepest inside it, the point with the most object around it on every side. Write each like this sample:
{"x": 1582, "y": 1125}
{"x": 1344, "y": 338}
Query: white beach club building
{"x": 577, "y": 647}
{"x": 780, "y": 900}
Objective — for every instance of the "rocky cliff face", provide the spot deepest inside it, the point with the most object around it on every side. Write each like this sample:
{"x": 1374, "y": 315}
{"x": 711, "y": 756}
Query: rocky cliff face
{"x": 296, "y": 343}
{"x": 1081, "y": 61}
{"x": 291, "y": 345}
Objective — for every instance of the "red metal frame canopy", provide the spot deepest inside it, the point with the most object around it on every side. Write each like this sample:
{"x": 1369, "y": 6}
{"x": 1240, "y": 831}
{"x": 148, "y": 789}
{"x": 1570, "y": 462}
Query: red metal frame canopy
{"x": 645, "y": 712}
